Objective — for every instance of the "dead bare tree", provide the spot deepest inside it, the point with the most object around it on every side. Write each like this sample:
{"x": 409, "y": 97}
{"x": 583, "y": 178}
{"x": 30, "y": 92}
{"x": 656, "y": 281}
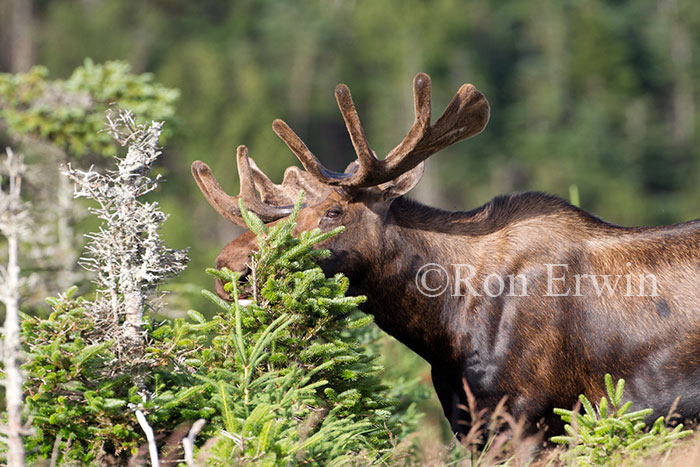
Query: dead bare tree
{"x": 14, "y": 219}
{"x": 127, "y": 253}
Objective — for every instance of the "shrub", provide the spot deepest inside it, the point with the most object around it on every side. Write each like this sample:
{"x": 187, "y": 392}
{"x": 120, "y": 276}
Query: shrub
{"x": 69, "y": 113}
{"x": 81, "y": 402}
{"x": 611, "y": 433}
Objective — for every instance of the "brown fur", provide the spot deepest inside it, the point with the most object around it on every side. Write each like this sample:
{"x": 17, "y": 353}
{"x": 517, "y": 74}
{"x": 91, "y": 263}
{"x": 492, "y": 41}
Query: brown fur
{"x": 539, "y": 350}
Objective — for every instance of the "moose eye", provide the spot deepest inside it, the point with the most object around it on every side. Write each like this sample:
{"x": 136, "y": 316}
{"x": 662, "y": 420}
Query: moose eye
{"x": 333, "y": 213}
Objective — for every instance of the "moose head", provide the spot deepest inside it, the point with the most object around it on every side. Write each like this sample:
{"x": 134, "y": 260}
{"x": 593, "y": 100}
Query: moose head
{"x": 359, "y": 198}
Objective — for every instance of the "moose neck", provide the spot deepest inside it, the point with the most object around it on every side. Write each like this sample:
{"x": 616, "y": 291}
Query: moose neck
{"x": 494, "y": 238}
{"x": 416, "y": 235}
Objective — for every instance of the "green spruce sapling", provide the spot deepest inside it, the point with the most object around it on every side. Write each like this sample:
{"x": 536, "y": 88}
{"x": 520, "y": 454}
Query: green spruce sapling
{"x": 297, "y": 386}
{"x": 610, "y": 433}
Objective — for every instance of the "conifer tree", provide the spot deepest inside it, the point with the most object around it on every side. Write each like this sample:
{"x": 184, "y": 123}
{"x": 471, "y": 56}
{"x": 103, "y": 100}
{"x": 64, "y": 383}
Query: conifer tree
{"x": 292, "y": 382}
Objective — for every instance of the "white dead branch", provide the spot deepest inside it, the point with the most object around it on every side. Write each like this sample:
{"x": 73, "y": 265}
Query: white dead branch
{"x": 13, "y": 224}
{"x": 127, "y": 254}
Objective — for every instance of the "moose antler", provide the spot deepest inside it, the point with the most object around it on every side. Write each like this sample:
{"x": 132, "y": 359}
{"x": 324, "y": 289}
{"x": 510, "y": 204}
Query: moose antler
{"x": 465, "y": 116}
{"x": 248, "y": 174}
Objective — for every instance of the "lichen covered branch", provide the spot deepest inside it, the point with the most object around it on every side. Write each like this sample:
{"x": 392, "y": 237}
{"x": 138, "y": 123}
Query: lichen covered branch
{"x": 127, "y": 254}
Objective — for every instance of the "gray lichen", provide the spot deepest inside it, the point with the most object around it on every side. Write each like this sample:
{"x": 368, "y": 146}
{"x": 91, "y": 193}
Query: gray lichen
{"x": 127, "y": 253}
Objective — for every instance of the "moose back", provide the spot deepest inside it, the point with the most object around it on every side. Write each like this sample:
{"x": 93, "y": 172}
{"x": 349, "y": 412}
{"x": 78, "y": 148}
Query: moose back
{"x": 526, "y": 297}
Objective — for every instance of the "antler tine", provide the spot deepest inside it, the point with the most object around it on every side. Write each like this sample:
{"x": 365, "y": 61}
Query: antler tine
{"x": 265, "y": 211}
{"x": 465, "y": 116}
{"x": 422, "y": 110}
{"x": 245, "y": 176}
{"x": 366, "y": 158}
{"x": 269, "y": 192}
{"x": 227, "y": 205}
{"x": 287, "y": 192}
{"x": 217, "y": 198}
{"x": 305, "y": 156}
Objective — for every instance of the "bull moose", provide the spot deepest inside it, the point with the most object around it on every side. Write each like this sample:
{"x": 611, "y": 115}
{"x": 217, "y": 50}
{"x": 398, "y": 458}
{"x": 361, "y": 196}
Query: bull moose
{"x": 526, "y": 297}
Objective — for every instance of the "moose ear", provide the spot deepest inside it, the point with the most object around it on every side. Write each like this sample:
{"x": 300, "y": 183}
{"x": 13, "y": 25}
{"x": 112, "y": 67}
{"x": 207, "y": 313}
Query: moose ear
{"x": 403, "y": 183}
{"x": 381, "y": 196}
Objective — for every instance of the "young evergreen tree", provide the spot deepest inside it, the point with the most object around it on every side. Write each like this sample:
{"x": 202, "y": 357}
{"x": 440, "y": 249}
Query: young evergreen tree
{"x": 609, "y": 434}
{"x": 89, "y": 365}
{"x": 293, "y": 383}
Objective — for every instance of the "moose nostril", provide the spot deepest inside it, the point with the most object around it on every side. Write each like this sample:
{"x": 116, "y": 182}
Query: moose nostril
{"x": 219, "y": 285}
{"x": 244, "y": 274}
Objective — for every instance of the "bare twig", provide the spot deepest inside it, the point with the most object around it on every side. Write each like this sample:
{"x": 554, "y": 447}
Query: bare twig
{"x": 152, "y": 448}
{"x": 54, "y": 452}
{"x": 188, "y": 441}
{"x": 238, "y": 440}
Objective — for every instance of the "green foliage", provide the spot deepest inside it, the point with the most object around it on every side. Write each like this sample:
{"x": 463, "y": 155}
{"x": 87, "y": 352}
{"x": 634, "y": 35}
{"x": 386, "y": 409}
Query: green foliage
{"x": 70, "y": 113}
{"x": 300, "y": 388}
{"x": 281, "y": 380}
{"x": 74, "y": 391}
{"x": 611, "y": 433}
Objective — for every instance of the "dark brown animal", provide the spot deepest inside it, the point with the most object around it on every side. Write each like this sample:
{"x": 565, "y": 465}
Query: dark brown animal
{"x": 580, "y": 297}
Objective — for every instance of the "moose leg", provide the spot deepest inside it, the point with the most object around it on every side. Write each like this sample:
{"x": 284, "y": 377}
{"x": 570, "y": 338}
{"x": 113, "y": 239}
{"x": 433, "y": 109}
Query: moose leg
{"x": 450, "y": 398}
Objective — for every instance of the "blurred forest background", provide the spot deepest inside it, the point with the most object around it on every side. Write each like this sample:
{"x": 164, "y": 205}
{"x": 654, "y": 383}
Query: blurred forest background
{"x": 601, "y": 95}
